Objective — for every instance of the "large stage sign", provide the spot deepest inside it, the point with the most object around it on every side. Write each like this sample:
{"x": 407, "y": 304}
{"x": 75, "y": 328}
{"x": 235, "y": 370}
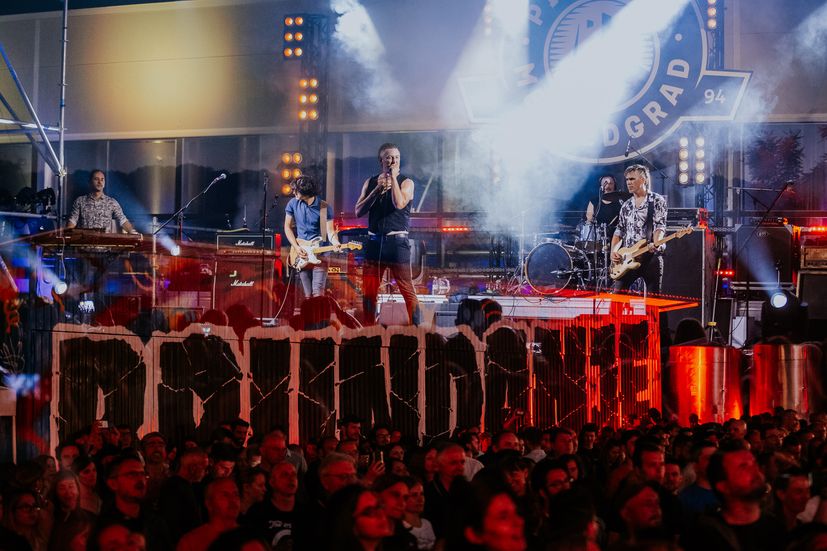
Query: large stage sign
{"x": 669, "y": 82}
{"x": 427, "y": 382}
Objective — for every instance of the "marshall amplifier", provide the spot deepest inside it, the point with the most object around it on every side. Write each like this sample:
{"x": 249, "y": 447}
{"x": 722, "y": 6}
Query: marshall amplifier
{"x": 245, "y": 281}
{"x": 245, "y": 243}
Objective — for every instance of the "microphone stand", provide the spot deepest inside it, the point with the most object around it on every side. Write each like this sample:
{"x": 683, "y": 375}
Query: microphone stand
{"x": 263, "y": 241}
{"x": 594, "y": 237}
{"x": 179, "y": 214}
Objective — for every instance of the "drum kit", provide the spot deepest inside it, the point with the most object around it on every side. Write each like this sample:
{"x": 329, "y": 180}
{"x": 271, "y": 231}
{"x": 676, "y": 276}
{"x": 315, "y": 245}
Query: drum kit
{"x": 579, "y": 263}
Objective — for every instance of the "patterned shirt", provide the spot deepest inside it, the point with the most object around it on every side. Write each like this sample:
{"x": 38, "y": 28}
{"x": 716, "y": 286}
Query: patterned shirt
{"x": 91, "y": 213}
{"x": 631, "y": 225}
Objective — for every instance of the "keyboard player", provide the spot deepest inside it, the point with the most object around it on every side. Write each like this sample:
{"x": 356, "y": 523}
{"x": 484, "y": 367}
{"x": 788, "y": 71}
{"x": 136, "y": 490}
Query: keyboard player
{"x": 96, "y": 210}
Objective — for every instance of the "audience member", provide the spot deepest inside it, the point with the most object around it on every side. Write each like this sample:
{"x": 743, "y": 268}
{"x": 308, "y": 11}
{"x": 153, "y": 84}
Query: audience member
{"x": 223, "y": 506}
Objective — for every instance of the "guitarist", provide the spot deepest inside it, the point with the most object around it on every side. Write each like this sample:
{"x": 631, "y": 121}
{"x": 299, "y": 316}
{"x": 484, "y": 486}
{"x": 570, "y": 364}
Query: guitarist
{"x": 386, "y": 199}
{"x": 643, "y": 216}
{"x": 311, "y": 218}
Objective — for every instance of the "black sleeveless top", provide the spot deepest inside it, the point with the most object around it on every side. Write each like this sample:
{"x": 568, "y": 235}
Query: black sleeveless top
{"x": 383, "y": 216}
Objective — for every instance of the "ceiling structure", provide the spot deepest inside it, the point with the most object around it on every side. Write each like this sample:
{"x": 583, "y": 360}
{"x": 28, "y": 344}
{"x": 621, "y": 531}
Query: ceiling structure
{"x": 12, "y": 7}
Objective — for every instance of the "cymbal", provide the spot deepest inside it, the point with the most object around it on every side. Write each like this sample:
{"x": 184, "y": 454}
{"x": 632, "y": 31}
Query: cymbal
{"x": 616, "y": 196}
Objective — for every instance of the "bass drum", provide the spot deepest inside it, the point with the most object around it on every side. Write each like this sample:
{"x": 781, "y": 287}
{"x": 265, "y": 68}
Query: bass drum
{"x": 553, "y": 266}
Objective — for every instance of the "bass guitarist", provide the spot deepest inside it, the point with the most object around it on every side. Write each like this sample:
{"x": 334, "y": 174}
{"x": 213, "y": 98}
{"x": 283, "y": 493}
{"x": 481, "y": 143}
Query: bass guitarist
{"x": 643, "y": 216}
{"x": 312, "y": 218}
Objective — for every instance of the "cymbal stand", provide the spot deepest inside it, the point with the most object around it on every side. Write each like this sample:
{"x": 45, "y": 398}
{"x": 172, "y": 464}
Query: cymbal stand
{"x": 518, "y": 278}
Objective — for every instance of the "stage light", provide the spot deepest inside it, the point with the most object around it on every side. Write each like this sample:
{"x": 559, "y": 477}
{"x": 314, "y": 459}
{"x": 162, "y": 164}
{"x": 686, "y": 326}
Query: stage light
{"x": 303, "y": 99}
{"x": 700, "y": 178}
{"x": 303, "y": 83}
{"x": 297, "y": 158}
{"x": 699, "y": 141}
{"x": 711, "y": 2}
{"x": 712, "y": 12}
{"x": 313, "y": 114}
{"x": 285, "y": 174}
{"x": 296, "y": 173}
{"x": 286, "y": 189}
{"x": 290, "y": 35}
{"x": 60, "y": 287}
{"x": 683, "y": 154}
{"x": 700, "y": 166}
{"x": 285, "y": 157}
{"x": 303, "y": 115}
{"x": 683, "y": 166}
{"x": 313, "y": 98}
{"x": 712, "y": 24}
{"x": 778, "y": 299}
{"x": 683, "y": 142}
{"x": 314, "y": 83}
{"x": 699, "y": 154}
{"x": 683, "y": 178}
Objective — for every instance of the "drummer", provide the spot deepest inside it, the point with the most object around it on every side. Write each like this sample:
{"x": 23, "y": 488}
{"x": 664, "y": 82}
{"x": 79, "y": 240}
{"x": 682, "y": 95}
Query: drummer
{"x": 605, "y": 208}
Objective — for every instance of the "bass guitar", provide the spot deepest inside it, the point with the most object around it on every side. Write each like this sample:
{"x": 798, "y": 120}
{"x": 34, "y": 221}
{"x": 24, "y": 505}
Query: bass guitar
{"x": 313, "y": 249}
{"x": 628, "y": 255}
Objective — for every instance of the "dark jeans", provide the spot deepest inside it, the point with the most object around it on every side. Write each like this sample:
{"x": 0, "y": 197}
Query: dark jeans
{"x": 391, "y": 252}
{"x": 650, "y": 271}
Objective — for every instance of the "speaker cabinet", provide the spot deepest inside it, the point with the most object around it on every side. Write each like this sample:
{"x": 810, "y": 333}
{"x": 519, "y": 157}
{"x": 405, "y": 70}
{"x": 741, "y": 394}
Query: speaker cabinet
{"x": 811, "y": 285}
{"x": 246, "y": 281}
{"x": 763, "y": 254}
{"x": 689, "y": 271}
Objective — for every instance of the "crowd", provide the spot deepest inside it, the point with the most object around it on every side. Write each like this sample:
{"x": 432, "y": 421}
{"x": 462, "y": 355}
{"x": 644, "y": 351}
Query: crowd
{"x": 756, "y": 483}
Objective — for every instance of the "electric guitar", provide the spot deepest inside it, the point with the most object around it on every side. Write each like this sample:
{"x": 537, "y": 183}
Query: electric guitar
{"x": 629, "y": 254}
{"x": 312, "y": 248}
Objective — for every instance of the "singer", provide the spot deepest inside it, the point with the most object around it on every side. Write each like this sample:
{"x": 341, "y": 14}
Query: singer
{"x": 386, "y": 199}
{"x": 96, "y": 210}
{"x": 643, "y": 216}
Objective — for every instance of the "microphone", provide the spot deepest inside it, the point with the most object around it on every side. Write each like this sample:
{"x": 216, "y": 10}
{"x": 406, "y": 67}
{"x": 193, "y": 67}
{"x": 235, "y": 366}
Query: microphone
{"x": 222, "y": 176}
{"x": 628, "y": 148}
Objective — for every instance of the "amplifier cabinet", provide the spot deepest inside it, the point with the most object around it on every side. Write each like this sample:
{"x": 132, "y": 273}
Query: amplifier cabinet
{"x": 245, "y": 281}
{"x": 764, "y": 254}
{"x": 689, "y": 271}
{"x": 813, "y": 257}
{"x": 810, "y": 289}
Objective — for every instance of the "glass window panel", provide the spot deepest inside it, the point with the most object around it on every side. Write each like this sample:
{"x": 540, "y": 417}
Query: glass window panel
{"x": 229, "y": 203}
{"x": 142, "y": 177}
{"x": 82, "y": 158}
{"x": 15, "y": 172}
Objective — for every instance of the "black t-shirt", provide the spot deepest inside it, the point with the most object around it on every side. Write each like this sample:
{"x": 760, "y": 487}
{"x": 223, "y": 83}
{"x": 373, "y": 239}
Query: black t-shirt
{"x": 278, "y": 526}
{"x": 712, "y": 533}
{"x": 607, "y": 213}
